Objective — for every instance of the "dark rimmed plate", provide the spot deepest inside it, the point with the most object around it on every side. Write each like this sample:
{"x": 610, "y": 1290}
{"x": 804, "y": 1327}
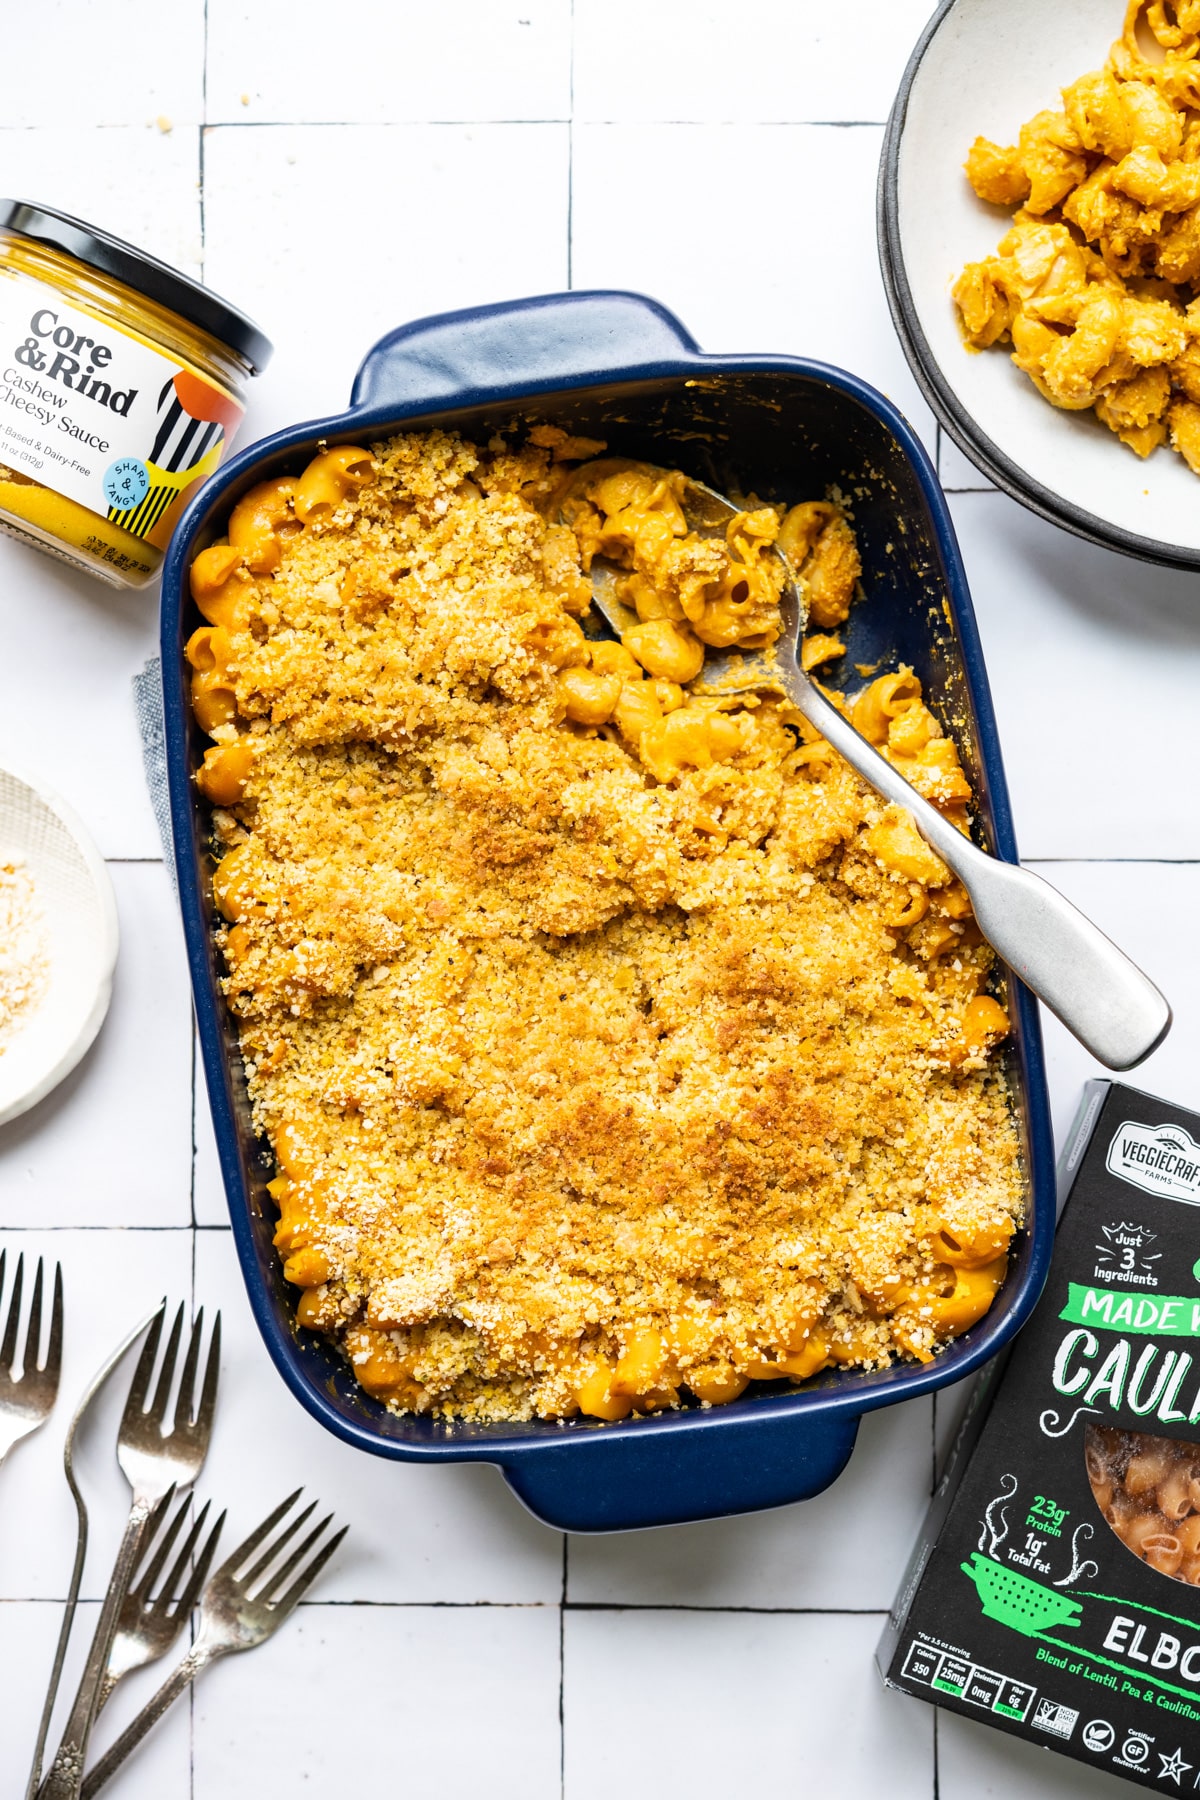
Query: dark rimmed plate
{"x": 982, "y": 67}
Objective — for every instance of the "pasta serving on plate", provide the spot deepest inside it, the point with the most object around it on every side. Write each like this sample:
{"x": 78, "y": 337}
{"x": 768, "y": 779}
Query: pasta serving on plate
{"x": 616, "y": 1045}
{"x": 1095, "y": 284}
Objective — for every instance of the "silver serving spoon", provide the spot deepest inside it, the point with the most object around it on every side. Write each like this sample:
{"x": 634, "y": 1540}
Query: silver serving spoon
{"x": 1114, "y": 1010}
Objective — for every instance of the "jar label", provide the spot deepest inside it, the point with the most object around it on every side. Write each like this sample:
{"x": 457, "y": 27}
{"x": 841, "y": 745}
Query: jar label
{"x": 101, "y": 416}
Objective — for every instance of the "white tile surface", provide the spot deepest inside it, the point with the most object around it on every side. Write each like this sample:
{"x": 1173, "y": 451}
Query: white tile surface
{"x": 112, "y": 1144}
{"x": 584, "y": 142}
{"x": 1150, "y": 909}
{"x": 499, "y": 59}
{"x": 70, "y": 651}
{"x": 28, "y": 1635}
{"x": 135, "y": 180}
{"x": 420, "y": 1700}
{"x": 1074, "y": 637}
{"x": 208, "y": 1191}
{"x": 956, "y": 471}
{"x": 710, "y": 1705}
{"x": 421, "y": 218}
{"x": 778, "y": 296}
{"x": 66, "y": 68}
{"x": 842, "y": 1549}
{"x": 697, "y": 60}
{"x": 452, "y": 1535}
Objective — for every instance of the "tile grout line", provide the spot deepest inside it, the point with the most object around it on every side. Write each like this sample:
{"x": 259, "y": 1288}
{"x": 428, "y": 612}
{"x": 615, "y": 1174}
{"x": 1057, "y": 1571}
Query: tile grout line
{"x": 571, "y": 154}
{"x": 474, "y": 124}
{"x": 571, "y": 1606}
{"x": 562, "y": 1666}
{"x": 648, "y": 1606}
{"x": 192, "y": 1181}
{"x": 363, "y": 124}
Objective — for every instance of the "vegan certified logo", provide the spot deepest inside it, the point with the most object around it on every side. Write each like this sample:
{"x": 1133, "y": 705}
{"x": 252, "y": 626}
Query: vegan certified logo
{"x": 1159, "y": 1159}
{"x": 1098, "y": 1735}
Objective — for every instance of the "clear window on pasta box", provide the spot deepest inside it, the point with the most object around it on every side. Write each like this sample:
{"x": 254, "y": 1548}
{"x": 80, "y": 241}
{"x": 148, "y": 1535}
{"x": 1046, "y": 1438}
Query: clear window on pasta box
{"x": 1054, "y": 1592}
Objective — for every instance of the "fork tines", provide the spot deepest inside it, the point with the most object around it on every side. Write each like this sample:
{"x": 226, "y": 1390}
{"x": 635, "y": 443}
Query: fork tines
{"x": 27, "y": 1399}
{"x": 192, "y": 1412}
{"x": 175, "y": 1594}
{"x": 262, "y": 1582}
{"x": 50, "y": 1369}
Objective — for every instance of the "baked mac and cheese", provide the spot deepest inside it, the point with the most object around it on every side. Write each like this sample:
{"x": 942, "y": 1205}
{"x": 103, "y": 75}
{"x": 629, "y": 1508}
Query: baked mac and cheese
{"x": 614, "y": 1042}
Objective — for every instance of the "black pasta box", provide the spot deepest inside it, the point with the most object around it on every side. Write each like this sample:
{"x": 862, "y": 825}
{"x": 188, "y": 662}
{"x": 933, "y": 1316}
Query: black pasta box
{"x": 1054, "y": 1590}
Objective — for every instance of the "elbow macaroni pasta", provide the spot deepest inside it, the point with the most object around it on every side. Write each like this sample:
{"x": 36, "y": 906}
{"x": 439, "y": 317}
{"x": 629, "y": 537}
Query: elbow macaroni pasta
{"x": 1148, "y": 1489}
{"x": 1095, "y": 284}
{"x": 557, "y": 982}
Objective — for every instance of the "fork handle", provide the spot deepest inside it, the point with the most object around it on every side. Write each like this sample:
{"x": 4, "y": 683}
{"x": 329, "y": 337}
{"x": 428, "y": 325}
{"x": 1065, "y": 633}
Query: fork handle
{"x": 81, "y": 1537}
{"x": 65, "y": 1778}
{"x": 1114, "y": 1010}
{"x": 186, "y": 1670}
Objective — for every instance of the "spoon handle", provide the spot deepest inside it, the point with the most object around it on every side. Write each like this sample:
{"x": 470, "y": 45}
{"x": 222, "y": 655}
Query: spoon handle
{"x": 1114, "y": 1010}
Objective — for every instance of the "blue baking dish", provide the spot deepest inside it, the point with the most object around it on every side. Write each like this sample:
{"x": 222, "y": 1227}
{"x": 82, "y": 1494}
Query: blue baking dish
{"x": 621, "y": 367}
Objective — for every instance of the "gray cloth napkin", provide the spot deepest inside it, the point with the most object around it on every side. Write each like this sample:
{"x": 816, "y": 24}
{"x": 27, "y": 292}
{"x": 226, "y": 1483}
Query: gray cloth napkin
{"x": 148, "y": 705}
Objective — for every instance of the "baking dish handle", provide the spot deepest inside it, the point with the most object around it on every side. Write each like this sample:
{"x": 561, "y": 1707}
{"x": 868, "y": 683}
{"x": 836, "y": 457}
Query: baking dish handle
{"x": 519, "y": 347}
{"x": 705, "y": 1467}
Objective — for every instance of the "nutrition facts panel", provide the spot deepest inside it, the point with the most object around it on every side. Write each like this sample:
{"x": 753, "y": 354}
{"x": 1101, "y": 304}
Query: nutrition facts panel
{"x": 951, "y": 1674}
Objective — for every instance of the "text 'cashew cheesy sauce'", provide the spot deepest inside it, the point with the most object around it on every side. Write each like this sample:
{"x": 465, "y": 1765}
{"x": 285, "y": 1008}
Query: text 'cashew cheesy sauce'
{"x": 121, "y": 387}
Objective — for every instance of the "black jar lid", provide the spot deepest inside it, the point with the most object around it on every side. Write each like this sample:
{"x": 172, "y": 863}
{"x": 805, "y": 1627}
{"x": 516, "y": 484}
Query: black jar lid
{"x": 156, "y": 280}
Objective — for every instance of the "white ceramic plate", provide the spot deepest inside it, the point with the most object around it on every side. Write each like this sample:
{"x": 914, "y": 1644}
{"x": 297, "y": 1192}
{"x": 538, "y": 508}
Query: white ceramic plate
{"x": 76, "y": 900}
{"x": 982, "y": 68}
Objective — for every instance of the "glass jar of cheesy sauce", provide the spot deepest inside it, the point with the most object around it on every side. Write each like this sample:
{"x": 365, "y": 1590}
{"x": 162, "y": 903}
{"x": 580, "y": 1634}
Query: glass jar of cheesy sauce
{"x": 121, "y": 387}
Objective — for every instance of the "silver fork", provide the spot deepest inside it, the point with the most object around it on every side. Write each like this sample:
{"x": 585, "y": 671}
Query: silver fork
{"x": 152, "y": 1617}
{"x": 81, "y": 1540}
{"x": 26, "y": 1399}
{"x": 237, "y": 1612}
{"x": 157, "y": 1455}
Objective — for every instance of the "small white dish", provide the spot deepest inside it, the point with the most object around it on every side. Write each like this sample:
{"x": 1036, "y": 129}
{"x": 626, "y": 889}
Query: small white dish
{"x": 76, "y": 901}
{"x": 982, "y": 67}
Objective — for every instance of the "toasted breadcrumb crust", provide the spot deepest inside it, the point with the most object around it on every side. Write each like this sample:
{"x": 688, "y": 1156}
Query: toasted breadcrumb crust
{"x": 558, "y": 1059}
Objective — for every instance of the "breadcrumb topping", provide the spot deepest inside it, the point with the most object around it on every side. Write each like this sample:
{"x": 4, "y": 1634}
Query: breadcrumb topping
{"x": 586, "y": 1087}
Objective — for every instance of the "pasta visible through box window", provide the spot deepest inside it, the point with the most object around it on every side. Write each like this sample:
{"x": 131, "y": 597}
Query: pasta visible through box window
{"x": 1096, "y": 286}
{"x": 1148, "y": 1489}
{"x": 615, "y": 1044}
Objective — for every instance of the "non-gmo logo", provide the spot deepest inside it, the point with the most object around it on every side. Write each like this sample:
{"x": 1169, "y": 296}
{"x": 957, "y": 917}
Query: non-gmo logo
{"x": 1159, "y": 1159}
